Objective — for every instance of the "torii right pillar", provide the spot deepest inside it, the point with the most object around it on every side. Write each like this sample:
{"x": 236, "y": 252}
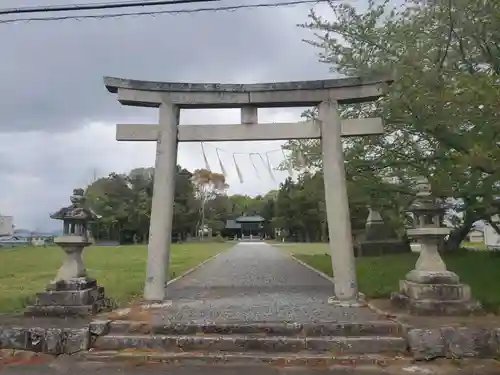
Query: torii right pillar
{"x": 337, "y": 207}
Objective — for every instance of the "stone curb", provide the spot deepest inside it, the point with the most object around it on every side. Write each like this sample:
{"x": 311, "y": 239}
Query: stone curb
{"x": 362, "y": 297}
{"x": 322, "y": 274}
{"x": 191, "y": 270}
{"x": 46, "y": 340}
{"x": 405, "y": 327}
{"x": 367, "y": 303}
{"x": 453, "y": 343}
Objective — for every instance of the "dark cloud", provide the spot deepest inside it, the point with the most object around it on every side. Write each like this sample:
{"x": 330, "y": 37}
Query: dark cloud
{"x": 52, "y": 71}
{"x": 56, "y": 116}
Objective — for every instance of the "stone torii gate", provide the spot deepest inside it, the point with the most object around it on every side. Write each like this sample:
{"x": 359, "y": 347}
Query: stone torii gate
{"x": 171, "y": 97}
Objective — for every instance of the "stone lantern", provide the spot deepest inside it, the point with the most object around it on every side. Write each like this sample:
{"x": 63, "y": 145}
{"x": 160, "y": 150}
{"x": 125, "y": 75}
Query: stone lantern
{"x": 71, "y": 292}
{"x": 378, "y": 238}
{"x": 430, "y": 288}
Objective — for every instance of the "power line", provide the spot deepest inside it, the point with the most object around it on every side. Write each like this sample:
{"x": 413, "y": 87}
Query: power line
{"x": 96, "y": 6}
{"x": 162, "y": 12}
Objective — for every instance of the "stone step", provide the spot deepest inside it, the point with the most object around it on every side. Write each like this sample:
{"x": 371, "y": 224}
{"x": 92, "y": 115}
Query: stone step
{"x": 301, "y": 359}
{"x": 335, "y": 345}
{"x": 82, "y": 311}
{"x": 374, "y": 328}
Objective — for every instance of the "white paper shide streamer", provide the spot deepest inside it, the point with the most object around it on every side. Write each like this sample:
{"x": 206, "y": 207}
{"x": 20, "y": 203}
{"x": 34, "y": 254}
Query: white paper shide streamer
{"x": 207, "y": 166}
{"x": 253, "y": 164}
{"x": 267, "y": 164}
{"x": 240, "y": 176}
{"x": 264, "y": 158}
{"x": 220, "y": 163}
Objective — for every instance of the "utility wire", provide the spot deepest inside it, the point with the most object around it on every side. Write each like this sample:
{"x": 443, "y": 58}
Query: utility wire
{"x": 161, "y": 12}
{"x": 96, "y": 6}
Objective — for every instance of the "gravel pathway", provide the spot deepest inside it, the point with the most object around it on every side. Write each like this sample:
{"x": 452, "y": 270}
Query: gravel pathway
{"x": 256, "y": 282}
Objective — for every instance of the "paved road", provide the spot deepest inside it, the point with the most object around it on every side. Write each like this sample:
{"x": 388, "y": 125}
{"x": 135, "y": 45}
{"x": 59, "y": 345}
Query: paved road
{"x": 256, "y": 282}
{"x": 66, "y": 365}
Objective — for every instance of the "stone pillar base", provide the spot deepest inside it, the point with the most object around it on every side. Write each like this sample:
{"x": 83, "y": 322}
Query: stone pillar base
{"x": 358, "y": 302}
{"x": 76, "y": 297}
{"x": 435, "y": 299}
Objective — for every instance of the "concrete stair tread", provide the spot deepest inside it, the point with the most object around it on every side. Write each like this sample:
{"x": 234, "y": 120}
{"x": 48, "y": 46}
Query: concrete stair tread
{"x": 299, "y": 358}
{"x": 370, "y": 328}
{"x": 244, "y": 343}
{"x": 232, "y": 336}
{"x": 250, "y": 353}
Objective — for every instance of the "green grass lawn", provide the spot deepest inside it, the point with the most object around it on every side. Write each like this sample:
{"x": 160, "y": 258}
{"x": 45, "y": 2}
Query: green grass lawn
{"x": 473, "y": 245}
{"x": 120, "y": 269}
{"x": 379, "y": 276}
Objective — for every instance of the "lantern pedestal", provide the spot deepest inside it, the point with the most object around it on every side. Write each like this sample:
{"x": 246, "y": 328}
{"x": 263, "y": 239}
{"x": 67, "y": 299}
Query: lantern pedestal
{"x": 430, "y": 289}
{"x": 425, "y": 292}
{"x": 72, "y": 267}
{"x": 435, "y": 299}
{"x": 72, "y": 292}
{"x": 78, "y": 297}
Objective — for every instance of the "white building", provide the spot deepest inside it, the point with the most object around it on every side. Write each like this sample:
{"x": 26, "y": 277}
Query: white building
{"x": 491, "y": 237}
{"x": 6, "y": 225}
{"x": 476, "y": 236}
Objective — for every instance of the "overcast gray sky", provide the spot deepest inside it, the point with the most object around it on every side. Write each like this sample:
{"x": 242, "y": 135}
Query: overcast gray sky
{"x": 57, "y": 120}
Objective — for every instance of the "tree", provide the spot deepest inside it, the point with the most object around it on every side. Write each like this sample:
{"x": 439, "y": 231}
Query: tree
{"x": 139, "y": 206}
{"x": 109, "y": 198}
{"x": 208, "y": 185}
{"x": 301, "y": 211}
{"x": 124, "y": 204}
{"x": 186, "y": 204}
{"x": 441, "y": 113}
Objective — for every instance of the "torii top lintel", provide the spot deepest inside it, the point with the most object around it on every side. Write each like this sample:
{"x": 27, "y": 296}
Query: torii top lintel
{"x": 217, "y": 95}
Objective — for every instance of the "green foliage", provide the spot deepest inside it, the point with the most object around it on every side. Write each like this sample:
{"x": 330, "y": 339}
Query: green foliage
{"x": 300, "y": 209}
{"x": 124, "y": 204}
{"x": 379, "y": 276}
{"x": 441, "y": 113}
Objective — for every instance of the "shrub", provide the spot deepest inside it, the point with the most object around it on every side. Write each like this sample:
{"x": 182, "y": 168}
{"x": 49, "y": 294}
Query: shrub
{"x": 219, "y": 238}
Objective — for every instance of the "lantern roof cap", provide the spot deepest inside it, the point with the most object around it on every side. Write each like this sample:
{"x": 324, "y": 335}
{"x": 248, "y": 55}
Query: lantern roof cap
{"x": 77, "y": 211}
{"x": 424, "y": 201}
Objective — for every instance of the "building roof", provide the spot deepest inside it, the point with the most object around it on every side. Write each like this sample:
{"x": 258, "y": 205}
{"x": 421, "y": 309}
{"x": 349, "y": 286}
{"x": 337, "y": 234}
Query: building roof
{"x": 250, "y": 219}
{"x": 232, "y": 224}
{"x": 477, "y": 230}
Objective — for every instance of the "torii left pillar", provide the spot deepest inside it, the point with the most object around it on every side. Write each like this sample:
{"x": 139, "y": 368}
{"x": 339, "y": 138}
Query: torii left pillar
{"x": 160, "y": 226}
